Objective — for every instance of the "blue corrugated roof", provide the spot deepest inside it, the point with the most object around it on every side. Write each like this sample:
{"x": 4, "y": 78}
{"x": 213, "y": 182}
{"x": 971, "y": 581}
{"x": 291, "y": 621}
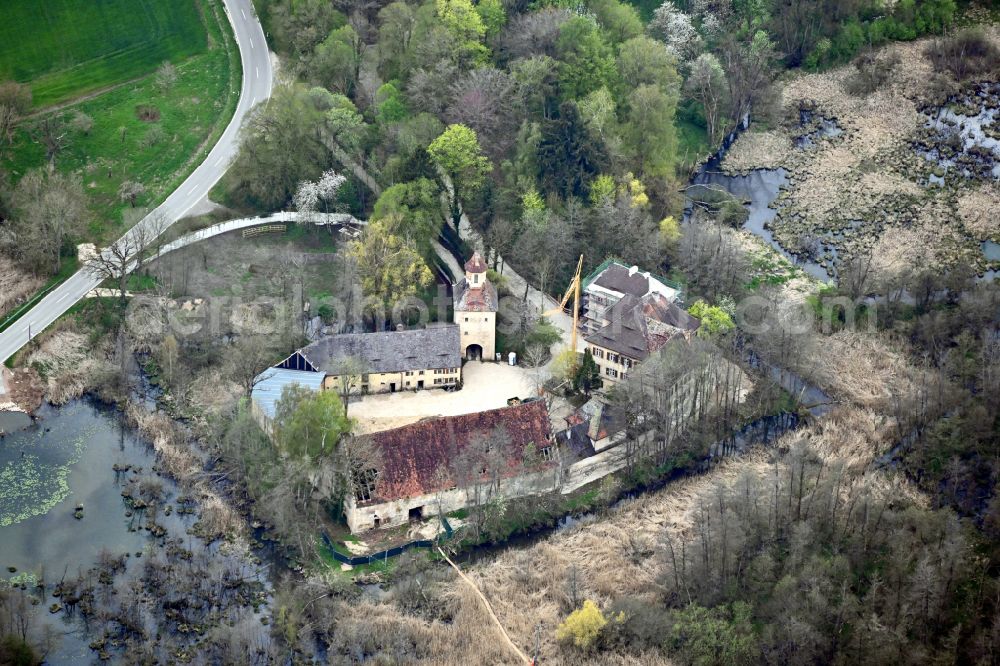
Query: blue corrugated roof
{"x": 272, "y": 381}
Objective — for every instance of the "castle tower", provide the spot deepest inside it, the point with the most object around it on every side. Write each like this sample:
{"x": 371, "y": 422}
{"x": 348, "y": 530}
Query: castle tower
{"x": 476, "y": 311}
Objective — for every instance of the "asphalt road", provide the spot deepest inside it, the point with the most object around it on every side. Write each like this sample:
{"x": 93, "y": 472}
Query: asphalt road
{"x": 256, "y": 88}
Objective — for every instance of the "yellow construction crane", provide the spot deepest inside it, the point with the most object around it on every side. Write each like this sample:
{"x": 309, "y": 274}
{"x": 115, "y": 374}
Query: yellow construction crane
{"x": 574, "y": 291}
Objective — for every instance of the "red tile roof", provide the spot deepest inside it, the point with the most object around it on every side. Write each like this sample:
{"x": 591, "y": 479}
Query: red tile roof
{"x": 419, "y": 459}
{"x": 476, "y": 299}
{"x": 476, "y": 264}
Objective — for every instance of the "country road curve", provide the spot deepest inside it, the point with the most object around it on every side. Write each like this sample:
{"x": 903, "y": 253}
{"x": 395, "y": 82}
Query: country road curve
{"x": 256, "y": 87}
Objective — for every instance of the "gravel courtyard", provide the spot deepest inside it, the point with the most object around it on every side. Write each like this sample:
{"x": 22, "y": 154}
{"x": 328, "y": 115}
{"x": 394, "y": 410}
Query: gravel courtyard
{"x": 486, "y": 386}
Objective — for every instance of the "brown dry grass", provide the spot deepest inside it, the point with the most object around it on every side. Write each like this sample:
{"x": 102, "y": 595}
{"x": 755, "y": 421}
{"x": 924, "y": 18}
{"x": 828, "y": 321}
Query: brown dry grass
{"x": 758, "y": 150}
{"x": 470, "y": 639}
{"x": 181, "y": 462}
{"x": 979, "y": 210}
{"x": 176, "y": 458}
{"x": 871, "y": 173}
{"x": 213, "y": 393}
{"x": 15, "y": 285}
{"x": 860, "y": 369}
{"x": 69, "y": 363}
{"x": 880, "y": 120}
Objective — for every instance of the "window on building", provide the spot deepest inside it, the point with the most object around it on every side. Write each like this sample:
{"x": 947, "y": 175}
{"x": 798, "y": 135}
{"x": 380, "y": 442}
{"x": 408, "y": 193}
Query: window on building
{"x": 546, "y": 452}
{"x": 364, "y": 484}
{"x": 466, "y": 320}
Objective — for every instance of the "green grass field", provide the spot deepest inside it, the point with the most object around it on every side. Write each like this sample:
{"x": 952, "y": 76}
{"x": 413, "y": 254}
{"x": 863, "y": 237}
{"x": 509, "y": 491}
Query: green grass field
{"x": 121, "y": 146}
{"x": 66, "y": 48}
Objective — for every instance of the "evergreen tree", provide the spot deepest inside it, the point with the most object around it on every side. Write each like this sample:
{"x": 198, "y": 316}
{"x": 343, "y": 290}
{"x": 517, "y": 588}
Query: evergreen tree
{"x": 568, "y": 156}
{"x": 588, "y": 375}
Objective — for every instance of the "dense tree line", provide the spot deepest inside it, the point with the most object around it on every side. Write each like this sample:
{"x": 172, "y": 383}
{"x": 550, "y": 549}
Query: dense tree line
{"x": 531, "y": 109}
{"x": 542, "y": 116}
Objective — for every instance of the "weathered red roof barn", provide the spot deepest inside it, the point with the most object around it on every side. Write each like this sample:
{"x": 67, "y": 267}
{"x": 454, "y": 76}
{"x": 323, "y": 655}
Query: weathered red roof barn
{"x": 415, "y": 459}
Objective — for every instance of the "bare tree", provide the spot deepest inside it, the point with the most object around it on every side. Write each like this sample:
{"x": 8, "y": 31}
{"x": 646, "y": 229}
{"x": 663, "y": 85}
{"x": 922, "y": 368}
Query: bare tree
{"x": 478, "y": 468}
{"x": 533, "y": 33}
{"x": 123, "y": 257}
{"x": 166, "y": 76}
{"x": 489, "y": 101}
{"x": 48, "y": 208}
{"x": 82, "y": 123}
{"x": 857, "y": 272}
{"x": 349, "y": 371}
{"x": 53, "y": 133}
{"x": 15, "y": 101}
{"x": 247, "y": 361}
{"x": 713, "y": 258}
{"x": 707, "y": 84}
{"x": 749, "y": 62}
{"x": 131, "y": 190}
{"x": 535, "y": 356}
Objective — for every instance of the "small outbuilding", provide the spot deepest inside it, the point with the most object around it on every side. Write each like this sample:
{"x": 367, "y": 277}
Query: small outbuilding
{"x": 268, "y": 388}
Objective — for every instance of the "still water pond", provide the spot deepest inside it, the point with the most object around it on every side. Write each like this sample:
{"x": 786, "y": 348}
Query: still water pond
{"x": 66, "y": 460}
{"x": 47, "y": 470}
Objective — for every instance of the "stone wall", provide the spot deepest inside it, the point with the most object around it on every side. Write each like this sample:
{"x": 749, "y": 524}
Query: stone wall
{"x": 397, "y": 512}
{"x": 574, "y": 477}
{"x": 478, "y": 328}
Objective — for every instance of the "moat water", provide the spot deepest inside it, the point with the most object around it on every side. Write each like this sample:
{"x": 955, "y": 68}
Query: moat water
{"x": 63, "y": 461}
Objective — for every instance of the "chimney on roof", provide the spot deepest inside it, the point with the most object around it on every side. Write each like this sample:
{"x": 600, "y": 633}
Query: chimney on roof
{"x": 595, "y": 422}
{"x": 632, "y": 271}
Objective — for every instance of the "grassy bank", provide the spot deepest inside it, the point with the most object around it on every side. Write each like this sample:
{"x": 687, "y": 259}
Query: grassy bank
{"x": 144, "y": 133}
{"x": 67, "y": 48}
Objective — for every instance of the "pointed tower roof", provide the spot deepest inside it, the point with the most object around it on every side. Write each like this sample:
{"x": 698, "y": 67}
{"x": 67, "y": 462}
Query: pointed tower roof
{"x": 476, "y": 264}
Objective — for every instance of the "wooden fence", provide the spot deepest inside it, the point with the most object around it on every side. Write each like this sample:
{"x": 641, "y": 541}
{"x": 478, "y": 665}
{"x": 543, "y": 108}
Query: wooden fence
{"x": 266, "y": 229}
